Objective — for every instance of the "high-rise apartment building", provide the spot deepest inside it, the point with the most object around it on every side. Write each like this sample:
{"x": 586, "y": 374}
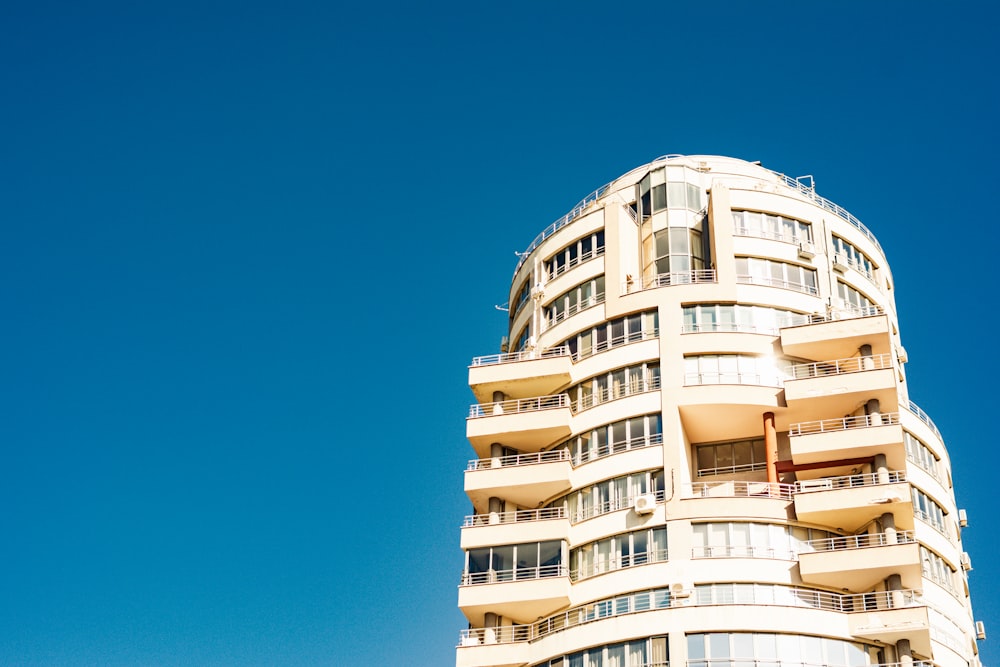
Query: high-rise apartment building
{"x": 699, "y": 445}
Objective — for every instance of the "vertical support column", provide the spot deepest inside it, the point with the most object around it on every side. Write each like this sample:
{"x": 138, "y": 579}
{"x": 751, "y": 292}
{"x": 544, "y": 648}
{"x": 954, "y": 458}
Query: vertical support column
{"x": 490, "y": 623}
{"x": 867, "y": 362}
{"x": 873, "y": 412}
{"x": 495, "y": 508}
{"x": 894, "y": 587}
{"x": 770, "y": 447}
{"x": 903, "y": 653}
{"x": 881, "y": 469}
{"x": 889, "y": 528}
{"x": 498, "y": 398}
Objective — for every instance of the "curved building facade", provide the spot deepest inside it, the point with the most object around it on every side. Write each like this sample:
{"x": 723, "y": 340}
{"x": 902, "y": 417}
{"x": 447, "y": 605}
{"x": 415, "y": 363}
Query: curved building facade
{"x": 699, "y": 445}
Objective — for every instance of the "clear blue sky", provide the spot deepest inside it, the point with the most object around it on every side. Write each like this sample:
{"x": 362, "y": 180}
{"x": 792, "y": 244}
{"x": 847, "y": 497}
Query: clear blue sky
{"x": 249, "y": 249}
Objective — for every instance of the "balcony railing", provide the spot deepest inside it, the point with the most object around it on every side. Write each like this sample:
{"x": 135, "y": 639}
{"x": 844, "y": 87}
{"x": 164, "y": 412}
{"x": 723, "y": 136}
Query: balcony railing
{"x": 523, "y": 355}
{"x": 554, "y": 270}
{"x": 533, "y": 458}
{"x": 607, "y": 449}
{"x": 519, "y": 406}
{"x": 608, "y": 506}
{"x": 862, "y": 541}
{"x": 741, "y": 551}
{"x": 518, "y": 516}
{"x": 841, "y": 366}
{"x": 768, "y": 281}
{"x": 924, "y": 417}
{"x": 617, "y": 341}
{"x": 843, "y": 424}
{"x": 553, "y": 318}
{"x": 738, "y": 489}
{"x": 848, "y": 481}
{"x": 607, "y": 394}
{"x": 728, "y": 327}
{"x": 794, "y": 596}
{"x": 518, "y": 574}
{"x": 831, "y": 316}
{"x": 692, "y": 277}
{"x": 760, "y": 233}
{"x": 618, "y": 563}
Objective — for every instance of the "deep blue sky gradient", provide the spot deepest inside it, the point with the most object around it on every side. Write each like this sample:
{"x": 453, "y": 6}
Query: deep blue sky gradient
{"x": 249, "y": 249}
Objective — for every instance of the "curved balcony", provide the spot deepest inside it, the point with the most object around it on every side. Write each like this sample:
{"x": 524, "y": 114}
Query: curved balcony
{"x": 520, "y": 594}
{"x": 851, "y": 501}
{"x": 536, "y": 525}
{"x": 839, "y": 386}
{"x": 859, "y": 562}
{"x": 849, "y": 438}
{"x": 692, "y": 277}
{"x": 524, "y": 479}
{"x": 837, "y": 334}
{"x": 520, "y": 374}
{"x": 527, "y": 424}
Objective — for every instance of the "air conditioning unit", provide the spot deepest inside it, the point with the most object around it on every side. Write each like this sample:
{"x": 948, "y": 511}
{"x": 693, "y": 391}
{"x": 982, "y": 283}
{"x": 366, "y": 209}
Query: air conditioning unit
{"x": 963, "y": 519}
{"x": 806, "y": 250}
{"x": 966, "y": 561}
{"x": 680, "y": 591}
{"x": 980, "y": 630}
{"x": 538, "y": 292}
{"x": 901, "y": 355}
{"x": 645, "y": 504}
{"x": 840, "y": 265}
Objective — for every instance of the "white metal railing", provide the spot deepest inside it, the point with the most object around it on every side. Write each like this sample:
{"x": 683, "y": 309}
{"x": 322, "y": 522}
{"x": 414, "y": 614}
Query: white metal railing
{"x": 823, "y": 202}
{"x": 843, "y": 424}
{"x": 778, "y": 662}
{"x": 517, "y": 516}
{"x": 692, "y": 277}
{"x": 731, "y": 470}
{"x": 728, "y": 327}
{"x": 562, "y": 222}
{"x": 795, "y": 596}
{"x": 556, "y": 270}
{"x": 607, "y": 394}
{"x": 841, "y": 366}
{"x": 861, "y": 267}
{"x": 862, "y": 541}
{"x": 772, "y": 378}
{"x": 517, "y": 574}
{"x": 624, "y": 605}
{"x": 534, "y": 458}
{"x": 553, "y": 318}
{"x": 849, "y": 481}
{"x": 741, "y": 551}
{"x": 523, "y": 355}
{"x": 607, "y": 449}
{"x": 519, "y": 406}
{"x": 937, "y": 524}
{"x": 768, "y": 281}
{"x": 832, "y": 316}
{"x": 618, "y": 563}
{"x": 617, "y": 341}
{"x": 758, "y": 233}
{"x": 737, "y": 489}
{"x": 924, "y": 417}
{"x": 503, "y": 634}
{"x": 608, "y": 506}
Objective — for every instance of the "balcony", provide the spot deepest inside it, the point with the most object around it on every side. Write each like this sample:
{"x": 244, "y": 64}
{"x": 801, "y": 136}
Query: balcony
{"x": 520, "y": 374}
{"x": 849, "y": 438}
{"x": 859, "y": 562}
{"x": 527, "y": 424}
{"x": 692, "y": 277}
{"x": 737, "y": 489}
{"x": 521, "y": 595}
{"x": 482, "y": 530}
{"x": 888, "y": 617}
{"x": 839, "y": 386}
{"x": 524, "y": 479}
{"x": 504, "y": 646}
{"x": 837, "y": 334}
{"x": 851, "y": 501}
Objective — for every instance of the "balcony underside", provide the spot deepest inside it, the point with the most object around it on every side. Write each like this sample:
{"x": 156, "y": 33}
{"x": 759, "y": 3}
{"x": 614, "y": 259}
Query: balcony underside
{"x": 526, "y": 432}
{"x": 840, "y": 394}
{"x": 849, "y": 509}
{"x": 521, "y": 379}
{"x": 721, "y": 412}
{"x": 519, "y": 601}
{"x": 526, "y": 486}
{"x": 890, "y": 625}
{"x": 860, "y": 570}
{"x": 851, "y": 444}
{"x": 837, "y": 339}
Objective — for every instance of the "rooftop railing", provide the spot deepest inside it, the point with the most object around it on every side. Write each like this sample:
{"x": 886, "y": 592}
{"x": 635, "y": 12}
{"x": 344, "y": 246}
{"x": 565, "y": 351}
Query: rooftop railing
{"x": 518, "y": 516}
{"x": 523, "y": 355}
{"x": 924, "y": 417}
{"x": 738, "y": 489}
{"x": 843, "y": 424}
{"x": 831, "y": 316}
{"x": 574, "y": 213}
{"x": 768, "y": 281}
{"x": 692, "y": 277}
{"x": 841, "y": 366}
{"x": 519, "y": 406}
{"x": 849, "y": 481}
{"x": 862, "y": 541}
{"x": 513, "y": 460}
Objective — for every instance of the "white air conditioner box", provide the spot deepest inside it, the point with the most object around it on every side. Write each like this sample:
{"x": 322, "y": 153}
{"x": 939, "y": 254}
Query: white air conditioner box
{"x": 645, "y": 504}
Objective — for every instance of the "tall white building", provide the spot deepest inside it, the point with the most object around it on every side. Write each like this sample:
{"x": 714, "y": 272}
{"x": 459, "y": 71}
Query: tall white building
{"x": 700, "y": 445}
